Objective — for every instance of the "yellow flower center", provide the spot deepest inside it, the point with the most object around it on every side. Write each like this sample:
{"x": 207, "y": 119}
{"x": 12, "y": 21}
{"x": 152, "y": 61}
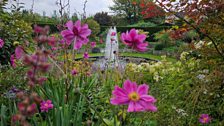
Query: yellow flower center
{"x": 205, "y": 119}
{"x": 46, "y": 105}
{"x": 134, "y": 96}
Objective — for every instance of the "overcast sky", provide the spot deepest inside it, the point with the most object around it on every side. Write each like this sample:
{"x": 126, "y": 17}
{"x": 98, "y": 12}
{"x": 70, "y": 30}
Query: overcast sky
{"x": 49, "y": 6}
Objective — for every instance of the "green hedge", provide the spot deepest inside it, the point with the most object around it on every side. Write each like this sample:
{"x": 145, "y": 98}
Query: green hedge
{"x": 151, "y": 30}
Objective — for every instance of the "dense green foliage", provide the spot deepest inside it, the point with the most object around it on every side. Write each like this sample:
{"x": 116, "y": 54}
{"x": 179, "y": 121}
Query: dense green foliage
{"x": 15, "y": 31}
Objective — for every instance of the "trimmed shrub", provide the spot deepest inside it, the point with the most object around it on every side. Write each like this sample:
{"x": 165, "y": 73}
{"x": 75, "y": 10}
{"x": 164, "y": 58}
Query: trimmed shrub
{"x": 96, "y": 50}
{"x": 159, "y": 47}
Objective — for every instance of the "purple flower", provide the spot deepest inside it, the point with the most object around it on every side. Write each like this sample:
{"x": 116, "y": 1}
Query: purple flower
{"x": 12, "y": 60}
{"x": 74, "y": 72}
{"x": 93, "y": 44}
{"x": 76, "y": 32}
{"x": 134, "y": 40}
{"x": 1, "y": 43}
{"x": 86, "y": 55}
{"x": 204, "y": 119}
{"x": 19, "y": 52}
{"x": 37, "y": 29}
{"x": 113, "y": 33}
{"x": 136, "y": 97}
{"x": 46, "y": 105}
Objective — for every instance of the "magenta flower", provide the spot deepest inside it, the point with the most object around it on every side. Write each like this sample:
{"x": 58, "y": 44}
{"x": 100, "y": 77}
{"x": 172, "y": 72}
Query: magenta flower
{"x": 76, "y": 32}
{"x": 113, "y": 33}
{"x": 134, "y": 40}
{"x": 74, "y": 72}
{"x": 1, "y": 43}
{"x": 37, "y": 29}
{"x": 19, "y": 52}
{"x": 86, "y": 55}
{"x": 93, "y": 44}
{"x": 136, "y": 97}
{"x": 52, "y": 41}
{"x": 12, "y": 60}
{"x": 46, "y": 105}
{"x": 204, "y": 119}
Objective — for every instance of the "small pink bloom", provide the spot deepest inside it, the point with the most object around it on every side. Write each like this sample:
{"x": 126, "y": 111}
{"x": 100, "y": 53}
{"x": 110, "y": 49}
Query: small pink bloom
{"x": 41, "y": 80}
{"x": 21, "y": 107}
{"x": 32, "y": 109}
{"x": 136, "y": 97}
{"x": 74, "y": 72}
{"x": 76, "y": 32}
{"x": 93, "y": 44}
{"x": 134, "y": 40}
{"x": 101, "y": 41}
{"x": 12, "y": 60}
{"x": 86, "y": 55}
{"x": 54, "y": 48}
{"x": 1, "y": 43}
{"x": 37, "y": 29}
{"x": 113, "y": 33}
{"x": 46, "y": 105}
{"x": 204, "y": 119}
{"x": 52, "y": 41}
{"x": 19, "y": 52}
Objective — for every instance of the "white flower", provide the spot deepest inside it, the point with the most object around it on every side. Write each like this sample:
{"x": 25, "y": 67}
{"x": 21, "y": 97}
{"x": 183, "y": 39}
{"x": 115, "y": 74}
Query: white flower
{"x": 199, "y": 44}
{"x": 183, "y": 55}
{"x": 201, "y": 76}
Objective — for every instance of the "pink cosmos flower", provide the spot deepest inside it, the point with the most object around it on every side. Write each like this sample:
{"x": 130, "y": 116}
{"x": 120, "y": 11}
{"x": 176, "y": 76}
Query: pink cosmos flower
{"x": 1, "y": 43}
{"x": 46, "y": 105}
{"x": 19, "y": 52}
{"x": 204, "y": 119}
{"x": 76, "y": 32}
{"x": 86, "y": 55}
{"x": 93, "y": 44}
{"x": 113, "y": 33}
{"x": 12, "y": 60}
{"x": 136, "y": 97}
{"x": 134, "y": 40}
{"x": 74, "y": 72}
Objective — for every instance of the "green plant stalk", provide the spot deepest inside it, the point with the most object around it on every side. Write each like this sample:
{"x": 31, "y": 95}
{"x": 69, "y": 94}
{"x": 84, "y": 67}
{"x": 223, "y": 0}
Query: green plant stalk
{"x": 101, "y": 118}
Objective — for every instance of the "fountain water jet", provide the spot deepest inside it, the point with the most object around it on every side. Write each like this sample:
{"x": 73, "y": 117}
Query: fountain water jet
{"x": 111, "y": 49}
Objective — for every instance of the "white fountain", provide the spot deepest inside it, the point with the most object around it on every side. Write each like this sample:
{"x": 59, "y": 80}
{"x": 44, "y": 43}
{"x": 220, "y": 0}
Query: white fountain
{"x": 111, "y": 49}
{"x": 110, "y": 59}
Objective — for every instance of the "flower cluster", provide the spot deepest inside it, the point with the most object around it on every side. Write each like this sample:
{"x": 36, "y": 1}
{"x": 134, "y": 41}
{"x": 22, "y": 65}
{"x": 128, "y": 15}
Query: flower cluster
{"x": 204, "y": 118}
{"x": 26, "y": 108}
{"x": 93, "y": 44}
{"x": 81, "y": 67}
{"x": 42, "y": 35}
{"x": 136, "y": 97}
{"x": 135, "y": 40}
{"x": 1, "y": 43}
{"x": 86, "y": 55}
{"x": 38, "y": 63}
{"x": 46, "y": 105}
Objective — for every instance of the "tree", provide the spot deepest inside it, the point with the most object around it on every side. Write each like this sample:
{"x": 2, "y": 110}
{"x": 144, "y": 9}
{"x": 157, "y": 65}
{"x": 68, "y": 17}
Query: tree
{"x": 152, "y": 12}
{"x": 128, "y": 8}
{"x": 204, "y": 16}
{"x": 103, "y": 18}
